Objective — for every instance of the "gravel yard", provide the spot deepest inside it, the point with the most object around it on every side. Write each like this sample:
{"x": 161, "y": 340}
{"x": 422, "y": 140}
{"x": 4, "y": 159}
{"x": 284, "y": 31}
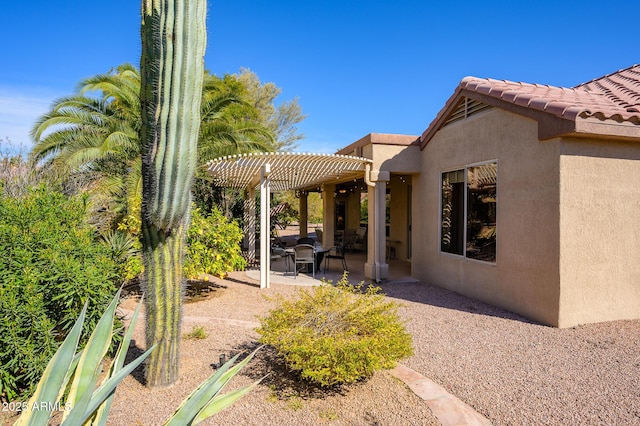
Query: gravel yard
{"x": 510, "y": 370}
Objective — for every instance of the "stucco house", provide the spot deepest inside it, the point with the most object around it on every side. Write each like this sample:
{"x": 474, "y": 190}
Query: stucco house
{"x": 524, "y": 196}
{"x": 528, "y": 197}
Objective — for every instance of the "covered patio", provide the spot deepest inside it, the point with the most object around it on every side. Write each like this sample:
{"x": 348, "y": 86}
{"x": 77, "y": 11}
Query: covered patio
{"x": 264, "y": 173}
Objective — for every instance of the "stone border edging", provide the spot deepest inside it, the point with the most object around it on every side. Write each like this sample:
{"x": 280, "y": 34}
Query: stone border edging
{"x": 449, "y": 410}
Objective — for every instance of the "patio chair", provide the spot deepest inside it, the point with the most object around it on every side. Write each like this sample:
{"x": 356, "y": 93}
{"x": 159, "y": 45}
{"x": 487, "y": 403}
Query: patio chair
{"x": 277, "y": 252}
{"x": 319, "y": 235}
{"x": 307, "y": 240}
{"x": 361, "y": 239}
{"x": 336, "y": 252}
{"x": 350, "y": 238}
{"x": 304, "y": 254}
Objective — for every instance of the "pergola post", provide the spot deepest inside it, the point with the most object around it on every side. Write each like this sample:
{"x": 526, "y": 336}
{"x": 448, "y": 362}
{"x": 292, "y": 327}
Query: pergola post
{"x": 249, "y": 230}
{"x": 377, "y": 267}
{"x": 304, "y": 214}
{"x": 265, "y": 227}
{"x": 328, "y": 215}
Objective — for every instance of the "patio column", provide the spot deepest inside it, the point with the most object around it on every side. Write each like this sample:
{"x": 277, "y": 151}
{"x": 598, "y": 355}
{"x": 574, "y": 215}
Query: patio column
{"x": 304, "y": 214}
{"x": 377, "y": 266}
{"x": 328, "y": 215}
{"x": 249, "y": 241}
{"x": 265, "y": 227}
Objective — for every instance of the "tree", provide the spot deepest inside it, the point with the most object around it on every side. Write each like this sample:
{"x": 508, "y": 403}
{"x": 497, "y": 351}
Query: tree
{"x": 281, "y": 119}
{"x": 172, "y": 72}
{"x": 93, "y": 141}
{"x": 92, "y": 138}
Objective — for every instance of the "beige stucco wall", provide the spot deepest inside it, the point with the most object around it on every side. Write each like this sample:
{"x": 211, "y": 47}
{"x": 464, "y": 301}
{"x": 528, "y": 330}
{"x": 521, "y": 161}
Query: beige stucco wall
{"x": 395, "y": 158}
{"x": 398, "y": 218}
{"x": 525, "y": 278}
{"x": 353, "y": 210}
{"x": 600, "y": 231}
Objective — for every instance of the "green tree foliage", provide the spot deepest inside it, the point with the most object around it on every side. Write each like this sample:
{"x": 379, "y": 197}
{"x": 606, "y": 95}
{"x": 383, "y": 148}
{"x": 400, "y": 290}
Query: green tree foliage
{"x": 334, "y": 335}
{"x": 213, "y": 245}
{"x": 281, "y": 119}
{"x": 91, "y": 139}
{"x": 314, "y": 205}
{"x": 51, "y": 264}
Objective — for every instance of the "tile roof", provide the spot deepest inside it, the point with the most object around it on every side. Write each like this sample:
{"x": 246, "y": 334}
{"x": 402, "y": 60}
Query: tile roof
{"x": 614, "y": 97}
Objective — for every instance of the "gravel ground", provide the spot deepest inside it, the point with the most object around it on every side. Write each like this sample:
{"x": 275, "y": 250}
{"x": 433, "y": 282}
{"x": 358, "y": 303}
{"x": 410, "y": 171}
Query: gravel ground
{"x": 515, "y": 372}
{"x": 512, "y": 371}
{"x": 279, "y": 399}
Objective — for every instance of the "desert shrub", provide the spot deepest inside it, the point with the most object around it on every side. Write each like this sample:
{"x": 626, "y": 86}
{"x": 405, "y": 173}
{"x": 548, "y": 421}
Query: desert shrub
{"x": 125, "y": 252}
{"x": 334, "y": 335}
{"x": 213, "y": 245}
{"x": 130, "y": 260}
{"x": 51, "y": 264}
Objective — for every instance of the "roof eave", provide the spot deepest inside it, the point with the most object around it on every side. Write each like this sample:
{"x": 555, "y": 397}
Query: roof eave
{"x": 550, "y": 125}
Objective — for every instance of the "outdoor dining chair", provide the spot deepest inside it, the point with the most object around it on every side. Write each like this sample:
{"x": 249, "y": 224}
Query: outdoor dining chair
{"x": 306, "y": 240}
{"x": 336, "y": 252}
{"x": 304, "y": 254}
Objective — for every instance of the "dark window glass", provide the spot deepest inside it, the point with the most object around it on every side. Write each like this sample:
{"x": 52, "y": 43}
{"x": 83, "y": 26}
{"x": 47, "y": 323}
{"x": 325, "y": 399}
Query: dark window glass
{"x": 481, "y": 212}
{"x": 452, "y": 213}
{"x": 477, "y": 220}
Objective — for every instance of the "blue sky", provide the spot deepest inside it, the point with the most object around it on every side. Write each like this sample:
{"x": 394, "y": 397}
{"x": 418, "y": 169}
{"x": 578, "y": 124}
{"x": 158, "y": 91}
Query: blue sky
{"x": 356, "y": 67}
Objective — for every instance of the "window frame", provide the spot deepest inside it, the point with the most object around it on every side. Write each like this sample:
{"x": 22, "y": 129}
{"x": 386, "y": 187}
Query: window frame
{"x": 465, "y": 212}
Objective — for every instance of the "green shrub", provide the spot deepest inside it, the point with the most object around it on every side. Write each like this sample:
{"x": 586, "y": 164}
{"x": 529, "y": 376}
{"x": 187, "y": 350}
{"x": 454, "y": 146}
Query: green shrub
{"x": 131, "y": 261}
{"x": 333, "y": 335}
{"x": 50, "y": 265}
{"x": 213, "y": 245}
{"x": 198, "y": 332}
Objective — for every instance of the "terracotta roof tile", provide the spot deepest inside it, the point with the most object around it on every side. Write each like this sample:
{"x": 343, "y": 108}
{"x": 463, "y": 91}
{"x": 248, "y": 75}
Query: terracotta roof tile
{"x": 613, "y": 97}
{"x": 621, "y": 88}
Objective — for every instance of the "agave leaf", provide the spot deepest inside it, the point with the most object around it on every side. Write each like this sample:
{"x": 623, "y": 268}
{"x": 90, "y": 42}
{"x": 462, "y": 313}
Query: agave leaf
{"x": 200, "y": 395}
{"x": 67, "y": 377}
{"x": 53, "y": 376}
{"x": 106, "y": 390}
{"x": 207, "y": 391}
{"x": 221, "y": 402}
{"x": 100, "y": 418}
{"x": 87, "y": 371}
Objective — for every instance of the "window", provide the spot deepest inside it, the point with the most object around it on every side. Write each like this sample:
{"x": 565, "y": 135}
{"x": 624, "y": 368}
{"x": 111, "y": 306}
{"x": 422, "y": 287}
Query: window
{"x": 468, "y": 212}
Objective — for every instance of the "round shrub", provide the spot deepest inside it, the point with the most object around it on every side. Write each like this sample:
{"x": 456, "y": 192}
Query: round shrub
{"x": 51, "y": 264}
{"x": 213, "y": 245}
{"x": 334, "y": 335}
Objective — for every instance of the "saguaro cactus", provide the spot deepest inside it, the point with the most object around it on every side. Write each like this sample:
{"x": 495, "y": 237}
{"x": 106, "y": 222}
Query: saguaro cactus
{"x": 172, "y": 69}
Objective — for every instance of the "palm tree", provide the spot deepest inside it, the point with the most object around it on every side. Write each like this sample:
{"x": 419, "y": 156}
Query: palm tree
{"x": 230, "y": 125}
{"x": 96, "y": 139}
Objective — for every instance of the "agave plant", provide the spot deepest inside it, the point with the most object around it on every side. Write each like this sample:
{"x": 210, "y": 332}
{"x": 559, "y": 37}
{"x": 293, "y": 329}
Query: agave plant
{"x": 75, "y": 375}
{"x": 85, "y": 399}
{"x": 206, "y": 400}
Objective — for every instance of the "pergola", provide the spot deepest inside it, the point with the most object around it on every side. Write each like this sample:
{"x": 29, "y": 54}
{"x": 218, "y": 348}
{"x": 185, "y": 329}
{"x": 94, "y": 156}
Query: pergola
{"x": 280, "y": 171}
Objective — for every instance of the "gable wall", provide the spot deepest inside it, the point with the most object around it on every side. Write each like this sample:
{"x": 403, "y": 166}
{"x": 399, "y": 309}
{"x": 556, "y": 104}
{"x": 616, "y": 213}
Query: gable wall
{"x": 600, "y": 231}
{"x": 525, "y": 277}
